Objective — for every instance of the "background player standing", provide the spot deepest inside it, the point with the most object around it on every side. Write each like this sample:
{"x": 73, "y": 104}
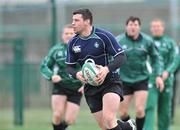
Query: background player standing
{"x": 168, "y": 50}
{"x": 134, "y": 74}
{"x": 175, "y": 90}
{"x": 66, "y": 93}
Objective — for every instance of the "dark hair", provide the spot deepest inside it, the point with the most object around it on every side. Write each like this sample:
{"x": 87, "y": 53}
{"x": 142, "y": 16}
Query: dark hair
{"x": 133, "y": 19}
{"x": 86, "y": 14}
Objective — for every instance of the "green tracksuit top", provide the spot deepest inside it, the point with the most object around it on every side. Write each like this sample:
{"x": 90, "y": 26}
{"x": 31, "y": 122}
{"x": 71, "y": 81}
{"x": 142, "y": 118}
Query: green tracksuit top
{"x": 54, "y": 63}
{"x": 168, "y": 50}
{"x": 138, "y": 53}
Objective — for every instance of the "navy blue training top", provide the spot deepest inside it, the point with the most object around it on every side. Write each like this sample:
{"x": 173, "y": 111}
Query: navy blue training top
{"x": 99, "y": 46}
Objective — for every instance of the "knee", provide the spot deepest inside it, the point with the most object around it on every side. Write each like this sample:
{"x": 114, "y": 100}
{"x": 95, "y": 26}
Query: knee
{"x": 56, "y": 117}
{"x": 109, "y": 121}
{"x": 140, "y": 112}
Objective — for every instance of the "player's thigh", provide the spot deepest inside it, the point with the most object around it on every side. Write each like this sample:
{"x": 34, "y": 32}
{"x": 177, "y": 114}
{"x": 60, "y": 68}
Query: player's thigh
{"x": 71, "y": 113}
{"x": 58, "y": 102}
{"x": 112, "y": 96}
{"x": 111, "y": 103}
{"x": 141, "y": 94}
{"x": 140, "y": 99}
{"x": 128, "y": 92}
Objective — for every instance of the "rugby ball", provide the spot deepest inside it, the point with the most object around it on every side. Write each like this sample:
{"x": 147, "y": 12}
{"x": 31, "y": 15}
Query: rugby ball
{"x": 90, "y": 71}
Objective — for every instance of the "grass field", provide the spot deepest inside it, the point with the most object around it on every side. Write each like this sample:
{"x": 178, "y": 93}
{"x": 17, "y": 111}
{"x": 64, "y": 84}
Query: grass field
{"x": 40, "y": 119}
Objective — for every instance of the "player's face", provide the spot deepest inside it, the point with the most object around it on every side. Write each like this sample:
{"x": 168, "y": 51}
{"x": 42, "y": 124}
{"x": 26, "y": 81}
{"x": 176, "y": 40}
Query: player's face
{"x": 133, "y": 28}
{"x": 78, "y": 23}
{"x": 67, "y": 34}
{"x": 157, "y": 28}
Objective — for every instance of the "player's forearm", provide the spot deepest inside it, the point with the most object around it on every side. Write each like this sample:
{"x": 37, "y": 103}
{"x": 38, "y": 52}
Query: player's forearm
{"x": 159, "y": 67}
{"x": 118, "y": 61}
{"x": 157, "y": 61}
{"x": 45, "y": 68}
{"x": 157, "y": 64}
{"x": 46, "y": 72}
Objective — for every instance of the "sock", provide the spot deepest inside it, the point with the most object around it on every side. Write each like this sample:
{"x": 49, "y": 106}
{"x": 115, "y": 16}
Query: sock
{"x": 116, "y": 128}
{"x": 125, "y": 118}
{"x": 56, "y": 127}
{"x": 124, "y": 125}
{"x": 140, "y": 123}
{"x": 62, "y": 126}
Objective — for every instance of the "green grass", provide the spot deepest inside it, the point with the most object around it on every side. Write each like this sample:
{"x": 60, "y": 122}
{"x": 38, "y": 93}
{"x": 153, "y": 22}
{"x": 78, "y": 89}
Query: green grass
{"x": 40, "y": 119}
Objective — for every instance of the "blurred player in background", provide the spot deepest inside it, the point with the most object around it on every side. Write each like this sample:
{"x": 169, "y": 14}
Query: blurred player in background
{"x": 66, "y": 93}
{"x": 175, "y": 89}
{"x": 98, "y": 44}
{"x": 134, "y": 73}
{"x": 168, "y": 50}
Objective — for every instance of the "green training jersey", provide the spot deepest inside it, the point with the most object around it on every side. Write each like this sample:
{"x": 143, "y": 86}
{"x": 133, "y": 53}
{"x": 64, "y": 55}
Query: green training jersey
{"x": 168, "y": 50}
{"x": 138, "y": 52}
{"x": 54, "y": 63}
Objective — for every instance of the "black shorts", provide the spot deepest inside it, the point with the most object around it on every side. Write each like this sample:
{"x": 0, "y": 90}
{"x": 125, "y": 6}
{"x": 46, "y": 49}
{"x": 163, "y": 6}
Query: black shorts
{"x": 95, "y": 101}
{"x": 72, "y": 95}
{"x": 130, "y": 88}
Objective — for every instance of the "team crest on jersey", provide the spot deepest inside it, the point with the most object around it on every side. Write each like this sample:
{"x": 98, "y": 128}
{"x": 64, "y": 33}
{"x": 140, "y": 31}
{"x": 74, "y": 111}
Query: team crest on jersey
{"x": 143, "y": 48}
{"x": 157, "y": 44}
{"x": 60, "y": 53}
{"x": 124, "y": 47}
{"x": 77, "y": 49}
{"x": 96, "y": 44}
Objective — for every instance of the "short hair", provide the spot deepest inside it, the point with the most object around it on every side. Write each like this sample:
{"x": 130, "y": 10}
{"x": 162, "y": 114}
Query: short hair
{"x": 158, "y": 20}
{"x": 133, "y": 19}
{"x": 86, "y": 14}
{"x": 68, "y": 26}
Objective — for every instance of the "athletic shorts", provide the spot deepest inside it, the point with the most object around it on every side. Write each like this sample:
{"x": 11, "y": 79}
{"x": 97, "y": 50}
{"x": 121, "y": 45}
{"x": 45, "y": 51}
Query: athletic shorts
{"x": 72, "y": 95}
{"x": 130, "y": 88}
{"x": 95, "y": 101}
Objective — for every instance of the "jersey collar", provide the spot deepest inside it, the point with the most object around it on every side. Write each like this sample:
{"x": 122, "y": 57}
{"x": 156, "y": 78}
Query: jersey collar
{"x": 138, "y": 39}
{"x": 158, "y": 38}
{"x": 90, "y": 36}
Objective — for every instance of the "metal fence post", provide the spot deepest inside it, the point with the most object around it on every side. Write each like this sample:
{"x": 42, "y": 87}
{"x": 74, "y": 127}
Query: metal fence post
{"x": 17, "y": 81}
{"x": 53, "y": 23}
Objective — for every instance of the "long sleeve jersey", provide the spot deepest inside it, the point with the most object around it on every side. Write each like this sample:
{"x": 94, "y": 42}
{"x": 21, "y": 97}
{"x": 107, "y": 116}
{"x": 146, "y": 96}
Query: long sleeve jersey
{"x": 138, "y": 52}
{"x": 54, "y": 63}
{"x": 169, "y": 52}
